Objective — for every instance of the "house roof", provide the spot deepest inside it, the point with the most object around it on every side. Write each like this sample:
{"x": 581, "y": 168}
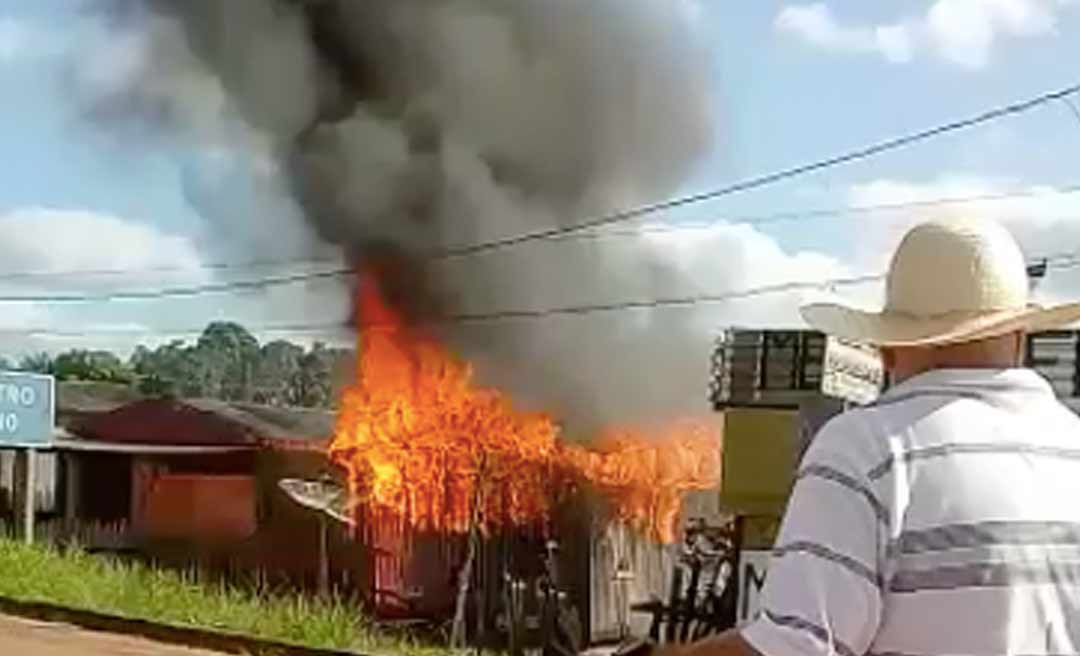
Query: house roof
{"x": 113, "y": 414}
{"x": 83, "y": 396}
{"x": 81, "y": 445}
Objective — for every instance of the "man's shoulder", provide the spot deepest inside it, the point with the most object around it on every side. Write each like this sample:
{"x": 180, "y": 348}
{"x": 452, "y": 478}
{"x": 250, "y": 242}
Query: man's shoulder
{"x": 854, "y": 437}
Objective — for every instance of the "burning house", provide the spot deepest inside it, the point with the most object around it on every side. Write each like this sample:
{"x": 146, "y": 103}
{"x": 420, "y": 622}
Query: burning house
{"x": 447, "y": 476}
{"x": 402, "y": 133}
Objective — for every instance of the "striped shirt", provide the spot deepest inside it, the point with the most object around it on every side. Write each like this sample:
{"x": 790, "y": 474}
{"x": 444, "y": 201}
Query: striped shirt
{"x": 944, "y": 520}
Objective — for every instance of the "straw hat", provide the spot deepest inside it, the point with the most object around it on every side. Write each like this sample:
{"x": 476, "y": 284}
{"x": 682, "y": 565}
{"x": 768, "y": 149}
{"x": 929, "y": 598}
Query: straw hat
{"x": 949, "y": 282}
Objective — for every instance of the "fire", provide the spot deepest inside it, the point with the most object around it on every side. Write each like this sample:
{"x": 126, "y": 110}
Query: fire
{"x": 646, "y": 477}
{"x": 422, "y": 443}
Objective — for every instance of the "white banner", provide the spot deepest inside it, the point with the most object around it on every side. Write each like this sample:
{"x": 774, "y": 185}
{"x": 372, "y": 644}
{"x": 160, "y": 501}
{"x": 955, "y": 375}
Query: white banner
{"x": 752, "y": 568}
{"x": 851, "y": 372}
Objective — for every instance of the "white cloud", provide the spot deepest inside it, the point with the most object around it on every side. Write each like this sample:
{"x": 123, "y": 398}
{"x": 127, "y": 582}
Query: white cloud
{"x": 816, "y": 25}
{"x": 1045, "y": 222}
{"x": 52, "y": 240}
{"x": 962, "y": 32}
{"x": 48, "y": 244}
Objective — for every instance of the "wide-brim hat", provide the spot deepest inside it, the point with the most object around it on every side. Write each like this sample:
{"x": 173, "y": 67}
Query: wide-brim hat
{"x": 949, "y": 282}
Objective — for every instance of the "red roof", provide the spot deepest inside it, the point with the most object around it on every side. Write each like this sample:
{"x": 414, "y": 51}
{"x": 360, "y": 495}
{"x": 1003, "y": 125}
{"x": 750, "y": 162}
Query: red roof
{"x": 161, "y": 421}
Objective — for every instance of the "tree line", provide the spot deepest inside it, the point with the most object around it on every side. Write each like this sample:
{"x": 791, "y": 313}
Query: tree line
{"x": 226, "y": 362}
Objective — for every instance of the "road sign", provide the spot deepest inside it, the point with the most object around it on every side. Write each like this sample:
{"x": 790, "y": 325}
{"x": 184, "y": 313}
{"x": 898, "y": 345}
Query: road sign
{"x": 27, "y": 409}
{"x": 851, "y": 372}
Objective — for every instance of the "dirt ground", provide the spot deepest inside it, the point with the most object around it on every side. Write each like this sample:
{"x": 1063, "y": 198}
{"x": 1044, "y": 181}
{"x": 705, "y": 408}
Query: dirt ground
{"x": 30, "y": 638}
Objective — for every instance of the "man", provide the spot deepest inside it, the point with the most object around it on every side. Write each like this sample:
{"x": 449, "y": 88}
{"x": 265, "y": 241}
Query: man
{"x": 945, "y": 518}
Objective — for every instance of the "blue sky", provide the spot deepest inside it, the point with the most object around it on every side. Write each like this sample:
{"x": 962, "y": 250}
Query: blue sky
{"x": 790, "y": 101}
{"x": 795, "y": 82}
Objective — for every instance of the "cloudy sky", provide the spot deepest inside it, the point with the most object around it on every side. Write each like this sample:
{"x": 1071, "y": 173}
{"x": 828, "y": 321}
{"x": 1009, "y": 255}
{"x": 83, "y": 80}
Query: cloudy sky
{"x": 86, "y": 211}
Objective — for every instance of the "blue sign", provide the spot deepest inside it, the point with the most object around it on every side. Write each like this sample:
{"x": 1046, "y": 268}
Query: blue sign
{"x": 27, "y": 409}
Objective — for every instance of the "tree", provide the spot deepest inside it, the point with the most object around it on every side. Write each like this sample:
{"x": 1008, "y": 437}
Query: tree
{"x": 100, "y": 366}
{"x": 169, "y": 370}
{"x": 313, "y": 382}
{"x": 228, "y": 355}
{"x": 277, "y": 374}
{"x": 38, "y": 363}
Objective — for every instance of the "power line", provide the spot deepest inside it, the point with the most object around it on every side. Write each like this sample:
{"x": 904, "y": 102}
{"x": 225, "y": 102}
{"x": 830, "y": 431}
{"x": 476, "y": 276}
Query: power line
{"x": 596, "y": 222}
{"x": 277, "y": 281}
{"x": 1034, "y": 191}
{"x": 1072, "y": 107}
{"x": 610, "y": 219}
{"x": 182, "y": 292}
{"x": 588, "y": 224}
{"x": 767, "y": 179}
{"x": 793, "y": 215}
{"x": 207, "y": 266}
{"x": 1059, "y": 261}
{"x": 1056, "y": 262}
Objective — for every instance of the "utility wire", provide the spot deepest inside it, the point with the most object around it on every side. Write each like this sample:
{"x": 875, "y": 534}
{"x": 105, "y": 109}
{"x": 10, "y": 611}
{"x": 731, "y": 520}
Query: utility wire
{"x": 768, "y": 179}
{"x": 257, "y": 284}
{"x": 644, "y": 210}
{"x": 182, "y": 292}
{"x": 1035, "y": 191}
{"x": 1060, "y": 261}
{"x": 600, "y": 221}
{"x": 1072, "y": 107}
{"x": 780, "y": 217}
{"x": 1055, "y": 262}
{"x": 610, "y": 219}
{"x": 194, "y": 268}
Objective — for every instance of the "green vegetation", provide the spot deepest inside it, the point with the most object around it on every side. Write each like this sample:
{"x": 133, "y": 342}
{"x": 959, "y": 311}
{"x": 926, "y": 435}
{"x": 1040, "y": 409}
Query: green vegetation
{"x": 75, "y": 579}
{"x": 226, "y": 362}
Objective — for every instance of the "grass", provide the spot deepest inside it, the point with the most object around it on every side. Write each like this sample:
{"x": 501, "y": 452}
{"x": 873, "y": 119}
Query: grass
{"x": 75, "y": 579}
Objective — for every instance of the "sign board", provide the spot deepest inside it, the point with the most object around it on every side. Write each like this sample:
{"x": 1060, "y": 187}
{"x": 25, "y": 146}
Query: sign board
{"x": 851, "y": 372}
{"x": 752, "y": 568}
{"x": 27, "y": 409}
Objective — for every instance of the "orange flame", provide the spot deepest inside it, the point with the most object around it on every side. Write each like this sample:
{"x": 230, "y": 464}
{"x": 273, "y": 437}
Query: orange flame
{"x": 646, "y": 477}
{"x": 420, "y": 442}
{"x": 417, "y": 438}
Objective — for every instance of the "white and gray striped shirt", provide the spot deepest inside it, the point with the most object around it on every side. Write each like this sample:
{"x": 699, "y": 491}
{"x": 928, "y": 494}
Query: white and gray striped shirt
{"x": 944, "y": 520}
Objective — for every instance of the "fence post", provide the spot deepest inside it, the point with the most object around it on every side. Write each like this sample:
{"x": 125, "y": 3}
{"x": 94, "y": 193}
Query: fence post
{"x": 324, "y": 556}
{"x": 25, "y": 491}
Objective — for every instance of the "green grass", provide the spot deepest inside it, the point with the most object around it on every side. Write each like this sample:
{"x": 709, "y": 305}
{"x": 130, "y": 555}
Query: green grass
{"x": 75, "y": 579}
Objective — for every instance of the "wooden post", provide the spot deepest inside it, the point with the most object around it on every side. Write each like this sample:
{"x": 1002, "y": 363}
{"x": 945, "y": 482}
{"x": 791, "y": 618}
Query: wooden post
{"x": 25, "y": 489}
{"x": 457, "y": 627}
{"x": 71, "y": 486}
{"x": 324, "y": 556}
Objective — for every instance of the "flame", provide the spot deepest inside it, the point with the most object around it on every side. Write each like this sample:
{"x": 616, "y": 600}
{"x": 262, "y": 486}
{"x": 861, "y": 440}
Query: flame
{"x": 646, "y": 476}
{"x": 420, "y": 442}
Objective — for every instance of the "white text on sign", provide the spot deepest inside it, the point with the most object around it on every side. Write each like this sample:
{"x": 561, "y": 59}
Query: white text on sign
{"x": 9, "y": 422}
{"x": 20, "y": 396}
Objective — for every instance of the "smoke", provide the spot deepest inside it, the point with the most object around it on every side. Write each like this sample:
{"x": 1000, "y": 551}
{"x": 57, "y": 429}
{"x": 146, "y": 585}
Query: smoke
{"x": 417, "y": 125}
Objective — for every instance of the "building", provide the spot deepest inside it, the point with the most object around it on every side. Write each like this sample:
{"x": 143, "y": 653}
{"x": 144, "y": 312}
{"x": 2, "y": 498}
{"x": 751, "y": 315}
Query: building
{"x": 188, "y": 483}
{"x": 771, "y": 387}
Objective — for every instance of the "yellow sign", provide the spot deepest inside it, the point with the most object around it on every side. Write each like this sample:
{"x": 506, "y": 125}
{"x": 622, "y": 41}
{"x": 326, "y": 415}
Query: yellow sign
{"x": 761, "y": 451}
